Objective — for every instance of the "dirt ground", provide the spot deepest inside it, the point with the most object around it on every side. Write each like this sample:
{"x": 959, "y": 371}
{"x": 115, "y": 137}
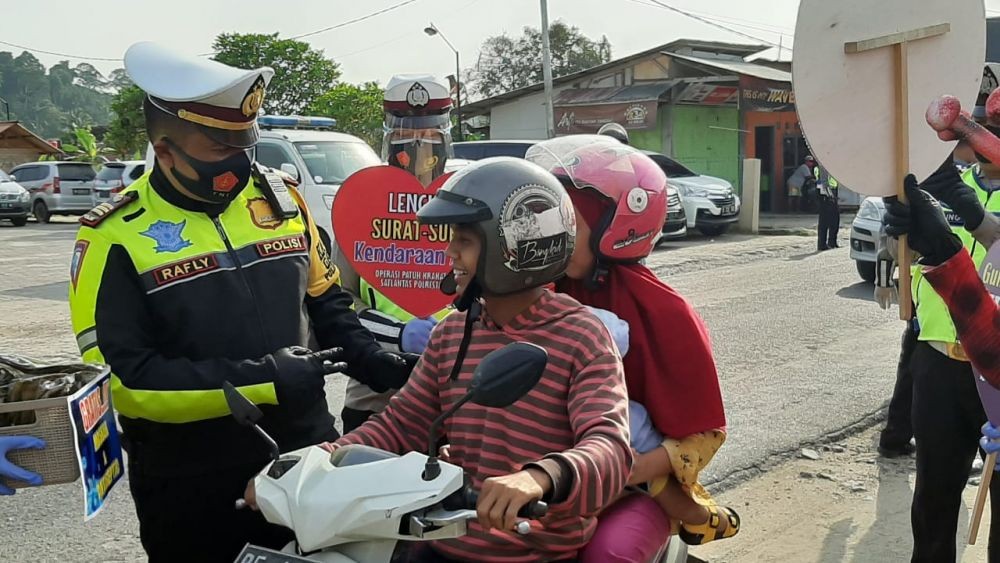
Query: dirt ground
{"x": 848, "y": 506}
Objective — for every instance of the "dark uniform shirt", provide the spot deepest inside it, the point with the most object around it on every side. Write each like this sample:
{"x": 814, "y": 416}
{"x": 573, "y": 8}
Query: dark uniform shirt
{"x": 179, "y": 296}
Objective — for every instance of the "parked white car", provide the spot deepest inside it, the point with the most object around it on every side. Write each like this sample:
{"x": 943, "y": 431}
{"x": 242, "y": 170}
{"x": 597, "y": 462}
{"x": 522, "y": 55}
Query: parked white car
{"x": 710, "y": 203}
{"x": 866, "y": 236}
{"x": 308, "y": 149}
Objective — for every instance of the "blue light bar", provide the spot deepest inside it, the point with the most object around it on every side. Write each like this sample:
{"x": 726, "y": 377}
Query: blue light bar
{"x": 295, "y": 122}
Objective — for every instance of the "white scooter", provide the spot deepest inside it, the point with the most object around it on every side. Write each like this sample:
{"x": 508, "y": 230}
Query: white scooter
{"x": 357, "y": 504}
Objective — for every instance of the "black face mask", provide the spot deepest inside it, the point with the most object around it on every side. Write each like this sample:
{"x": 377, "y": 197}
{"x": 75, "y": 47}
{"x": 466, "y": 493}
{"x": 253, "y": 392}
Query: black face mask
{"x": 411, "y": 162}
{"x": 217, "y": 182}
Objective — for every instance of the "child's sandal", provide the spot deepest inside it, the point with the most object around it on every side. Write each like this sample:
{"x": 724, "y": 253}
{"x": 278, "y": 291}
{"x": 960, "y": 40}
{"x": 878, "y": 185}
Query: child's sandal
{"x": 710, "y": 531}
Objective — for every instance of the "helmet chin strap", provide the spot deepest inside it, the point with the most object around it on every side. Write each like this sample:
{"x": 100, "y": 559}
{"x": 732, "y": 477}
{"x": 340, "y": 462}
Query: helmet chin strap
{"x": 468, "y": 301}
{"x": 598, "y": 276}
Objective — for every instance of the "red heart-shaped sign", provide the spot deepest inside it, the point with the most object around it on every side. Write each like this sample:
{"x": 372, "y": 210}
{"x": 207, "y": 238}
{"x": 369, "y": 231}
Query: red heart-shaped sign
{"x": 375, "y": 224}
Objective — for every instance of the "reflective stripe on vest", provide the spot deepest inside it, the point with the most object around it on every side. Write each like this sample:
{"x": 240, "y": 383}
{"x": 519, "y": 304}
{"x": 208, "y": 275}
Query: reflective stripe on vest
{"x": 932, "y": 312}
{"x": 375, "y": 300}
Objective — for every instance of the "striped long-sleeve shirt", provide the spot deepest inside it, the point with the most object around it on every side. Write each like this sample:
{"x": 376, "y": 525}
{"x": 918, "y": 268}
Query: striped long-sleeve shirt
{"x": 576, "y": 414}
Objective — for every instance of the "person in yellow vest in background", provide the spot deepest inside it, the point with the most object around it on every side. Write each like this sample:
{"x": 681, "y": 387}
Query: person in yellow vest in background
{"x": 947, "y": 414}
{"x": 946, "y": 410}
{"x": 417, "y": 139}
{"x": 829, "y": 208}
{"x": 206, "y": 270}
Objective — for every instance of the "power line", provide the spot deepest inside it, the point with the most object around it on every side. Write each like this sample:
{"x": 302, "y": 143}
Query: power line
{"x": 78, "y": 57}
{"x": 404, "y": 36}
{"x": 751, "y": 24}
{"x": 300, "y": 36}
{"x": 355, "y": 20}
{"x": 712, "y": 23}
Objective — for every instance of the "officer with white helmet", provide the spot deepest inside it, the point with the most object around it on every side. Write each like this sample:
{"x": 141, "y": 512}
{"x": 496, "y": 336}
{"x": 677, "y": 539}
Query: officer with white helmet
{"x": 417, "y": 139}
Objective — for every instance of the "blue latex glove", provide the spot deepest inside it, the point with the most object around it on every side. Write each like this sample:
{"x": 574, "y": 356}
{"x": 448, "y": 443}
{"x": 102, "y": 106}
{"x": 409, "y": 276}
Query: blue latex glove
{"x": 990, "y": 442}
{"x": 9, "y": 470}
{"x": 416, "y": 334}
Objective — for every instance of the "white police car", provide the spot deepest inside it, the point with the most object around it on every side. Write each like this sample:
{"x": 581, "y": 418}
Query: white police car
{"x": 310, "y": 150}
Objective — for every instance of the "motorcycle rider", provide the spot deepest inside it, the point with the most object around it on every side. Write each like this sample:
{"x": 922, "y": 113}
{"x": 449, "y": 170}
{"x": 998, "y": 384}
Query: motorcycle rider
{"x": 619, "y": 195}
{"x": 417, "y": 139}
{"x": 566, "y": 441}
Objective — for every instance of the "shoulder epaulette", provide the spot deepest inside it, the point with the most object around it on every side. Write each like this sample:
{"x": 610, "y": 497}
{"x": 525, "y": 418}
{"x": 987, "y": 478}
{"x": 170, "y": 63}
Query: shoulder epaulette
{"x": 95, "y": 216}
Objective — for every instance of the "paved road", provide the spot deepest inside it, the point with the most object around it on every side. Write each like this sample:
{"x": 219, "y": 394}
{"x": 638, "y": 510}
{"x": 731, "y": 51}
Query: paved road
{"x": 801, "y": 348}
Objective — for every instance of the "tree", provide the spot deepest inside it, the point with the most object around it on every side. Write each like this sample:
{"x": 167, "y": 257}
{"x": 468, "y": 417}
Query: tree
{"x": 510, "y": 63}
{"x": 89, "y": 77}
{"x": 86, "y": 148}
{"x": 48, "y": 102}
{"x": 301, "y": 74}
{"x": 119, "y": 80}
{"x": 127, "y": 131}
{"x": 357, "y": 109}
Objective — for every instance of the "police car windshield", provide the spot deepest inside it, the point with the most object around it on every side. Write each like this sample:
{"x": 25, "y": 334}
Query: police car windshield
{"x": 331, "y": 162}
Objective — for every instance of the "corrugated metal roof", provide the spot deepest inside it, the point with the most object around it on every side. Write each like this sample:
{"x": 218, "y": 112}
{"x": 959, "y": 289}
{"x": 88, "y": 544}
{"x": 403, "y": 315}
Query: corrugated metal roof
{"x": 738, "y": 67}
{"x": 614, "y": 94}
{"x": 484, "y": 105}
{"x": 13, "y": 135}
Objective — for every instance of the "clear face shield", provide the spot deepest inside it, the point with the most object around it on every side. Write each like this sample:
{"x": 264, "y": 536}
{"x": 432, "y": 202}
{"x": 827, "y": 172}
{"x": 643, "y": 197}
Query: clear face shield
{"x": 418, "y": 144}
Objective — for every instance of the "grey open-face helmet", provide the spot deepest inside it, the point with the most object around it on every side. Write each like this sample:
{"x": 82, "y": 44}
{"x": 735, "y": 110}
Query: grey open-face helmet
{"x": 523, "y": 215}
{"x": 615, "y": 131}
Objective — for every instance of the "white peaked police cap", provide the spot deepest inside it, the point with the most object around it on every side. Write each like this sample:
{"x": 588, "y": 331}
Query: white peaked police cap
{"x": 416, "y": 94}
{"x": 223, "y": 99}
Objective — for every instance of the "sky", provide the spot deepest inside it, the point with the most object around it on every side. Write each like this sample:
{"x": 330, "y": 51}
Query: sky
{"x": 392, "y": 42}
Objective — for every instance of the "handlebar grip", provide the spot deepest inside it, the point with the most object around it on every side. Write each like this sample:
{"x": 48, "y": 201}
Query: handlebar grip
{"x": 533, "y": 510}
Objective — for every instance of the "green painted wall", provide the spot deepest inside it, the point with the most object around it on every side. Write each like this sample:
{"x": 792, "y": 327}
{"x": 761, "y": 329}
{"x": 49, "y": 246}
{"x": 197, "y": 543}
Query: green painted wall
{"x": 649, "y": 139}
{"x": 705, "y": 140}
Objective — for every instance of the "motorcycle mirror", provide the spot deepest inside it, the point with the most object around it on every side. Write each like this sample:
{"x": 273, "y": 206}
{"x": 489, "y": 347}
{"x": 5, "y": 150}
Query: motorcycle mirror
{"x": 500, "y": 379}
{"x": 507, "y": 374}
{"x": 245, "y": 412}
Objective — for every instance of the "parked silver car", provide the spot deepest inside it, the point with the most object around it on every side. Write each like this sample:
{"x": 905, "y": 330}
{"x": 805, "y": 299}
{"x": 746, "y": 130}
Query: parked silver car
{"x": 114, "y": 177}
{"x": 57, "y": 188}
{"x": 866, "y": 236}
{"x": 14, "y": 201}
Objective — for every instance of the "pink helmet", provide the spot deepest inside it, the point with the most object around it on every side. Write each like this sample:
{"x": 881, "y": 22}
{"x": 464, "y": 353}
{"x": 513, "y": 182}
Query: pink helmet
{"x": 632, "y": 181}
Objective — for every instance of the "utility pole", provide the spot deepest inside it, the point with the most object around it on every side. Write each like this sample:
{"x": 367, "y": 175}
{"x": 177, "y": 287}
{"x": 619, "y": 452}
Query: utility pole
{"x": 547, "y": 72}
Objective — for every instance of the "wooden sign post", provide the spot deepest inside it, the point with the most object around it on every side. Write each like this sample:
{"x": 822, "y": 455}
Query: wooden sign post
{"x": 865, "y": 72}
{"x": 899, "y": 44}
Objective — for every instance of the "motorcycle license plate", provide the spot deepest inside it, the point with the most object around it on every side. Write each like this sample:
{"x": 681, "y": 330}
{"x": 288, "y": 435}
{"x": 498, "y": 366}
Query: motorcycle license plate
{"x": 729, "y": 210}
{"x": 254, "y": 554}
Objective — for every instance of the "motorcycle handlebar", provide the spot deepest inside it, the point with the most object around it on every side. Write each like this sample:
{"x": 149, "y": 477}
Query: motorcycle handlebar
{"x": 467, "y": 498}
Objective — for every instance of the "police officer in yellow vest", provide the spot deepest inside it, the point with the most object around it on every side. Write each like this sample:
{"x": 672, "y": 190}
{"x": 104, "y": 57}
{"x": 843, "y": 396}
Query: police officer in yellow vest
{"x": 209, "y": 269}
{"x": 417, "y": 139}
{"x": 829, "y": 208}
{"x": 947, "y": 414}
